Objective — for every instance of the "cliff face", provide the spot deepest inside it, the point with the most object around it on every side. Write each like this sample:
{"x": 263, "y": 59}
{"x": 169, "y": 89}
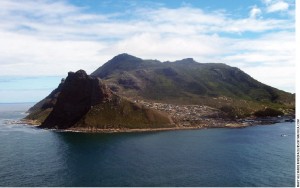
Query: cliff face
{"x": 86, "y": 102}
{"x": 79, "y": 93}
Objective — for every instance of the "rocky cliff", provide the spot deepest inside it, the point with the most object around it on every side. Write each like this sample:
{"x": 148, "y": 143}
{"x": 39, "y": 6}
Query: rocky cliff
{"x": 79, "y": 93}
{"x": 86, "y": 102}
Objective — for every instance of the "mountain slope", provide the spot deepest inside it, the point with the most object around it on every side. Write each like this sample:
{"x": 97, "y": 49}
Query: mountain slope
{"x": 188, "y": 82}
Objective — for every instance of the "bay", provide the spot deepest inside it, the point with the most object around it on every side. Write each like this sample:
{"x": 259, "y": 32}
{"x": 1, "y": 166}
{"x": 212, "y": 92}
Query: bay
{"x": 253, "y": 156}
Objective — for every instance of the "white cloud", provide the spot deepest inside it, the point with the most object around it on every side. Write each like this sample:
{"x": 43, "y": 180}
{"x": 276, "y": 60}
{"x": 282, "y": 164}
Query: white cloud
{"x": 28, "y": 55}
{"x": 149, "y": 45}
{"x": 278, "y": 6}
{"x": 269, "y": 59}
{"x": 54, "y": 37}
{"x": 41, "y": 8}
{"x": 254, "y": 12}
{"x": 279, "y": 76}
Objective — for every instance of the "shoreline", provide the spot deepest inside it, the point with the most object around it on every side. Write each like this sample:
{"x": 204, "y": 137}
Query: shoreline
{"x": 226, "y": 125}
{"x": 109, "y": 131}
{"x": 89, "y": 130}
{"x": 216, "y": 124}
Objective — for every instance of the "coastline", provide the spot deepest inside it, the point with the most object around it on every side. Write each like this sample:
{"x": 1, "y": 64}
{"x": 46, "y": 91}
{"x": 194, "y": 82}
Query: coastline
{"x": 209, "y": 123}
{"x": 125, "y": 130}
{"x": 214, "y": 124}
{"x": 227, "y": 125}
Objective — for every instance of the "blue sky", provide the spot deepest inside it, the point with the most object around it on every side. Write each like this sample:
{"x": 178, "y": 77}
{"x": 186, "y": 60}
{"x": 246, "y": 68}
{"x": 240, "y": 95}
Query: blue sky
{"x": 44, "y": 39}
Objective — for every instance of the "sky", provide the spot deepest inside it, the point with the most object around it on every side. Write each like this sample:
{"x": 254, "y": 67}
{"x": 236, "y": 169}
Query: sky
{"x": 42, "y": 40}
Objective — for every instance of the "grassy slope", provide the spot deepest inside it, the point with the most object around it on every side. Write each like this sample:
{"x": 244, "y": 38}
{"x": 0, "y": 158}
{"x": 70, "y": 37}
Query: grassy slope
{"x": 121, "y": 113}
{"x": 40, "y": 115}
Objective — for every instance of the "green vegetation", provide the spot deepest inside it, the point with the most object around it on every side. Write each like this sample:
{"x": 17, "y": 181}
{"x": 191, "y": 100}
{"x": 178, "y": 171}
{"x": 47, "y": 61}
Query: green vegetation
{"x": 121, "y": 113}
{"x": 39, "y": 115}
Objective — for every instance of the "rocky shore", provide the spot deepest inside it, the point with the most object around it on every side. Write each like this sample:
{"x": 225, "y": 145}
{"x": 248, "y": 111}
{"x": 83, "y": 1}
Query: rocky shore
{"x": 22, "y": 122}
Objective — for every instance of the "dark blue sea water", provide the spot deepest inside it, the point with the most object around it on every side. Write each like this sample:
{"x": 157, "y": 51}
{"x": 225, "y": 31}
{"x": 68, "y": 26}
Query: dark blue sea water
{"x": 253, "y": 156}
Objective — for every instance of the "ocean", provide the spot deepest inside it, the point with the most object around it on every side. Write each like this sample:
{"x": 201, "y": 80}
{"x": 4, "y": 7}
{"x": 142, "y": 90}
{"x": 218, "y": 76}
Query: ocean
{"x": 261, "y": 155}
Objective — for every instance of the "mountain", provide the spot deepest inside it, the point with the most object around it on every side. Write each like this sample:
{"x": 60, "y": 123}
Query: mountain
{"x": 189, "y": 82}
{"x": 86, "y": 102}
{"x": 131, "y": 93}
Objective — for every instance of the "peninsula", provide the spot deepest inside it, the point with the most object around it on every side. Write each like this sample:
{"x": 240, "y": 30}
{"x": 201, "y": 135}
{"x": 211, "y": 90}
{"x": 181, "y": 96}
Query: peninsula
{"x": 131, "y": 94}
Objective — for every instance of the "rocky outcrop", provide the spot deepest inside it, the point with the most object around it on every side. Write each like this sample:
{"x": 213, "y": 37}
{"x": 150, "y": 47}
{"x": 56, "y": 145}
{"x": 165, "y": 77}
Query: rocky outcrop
{"x": 85, "y": 102}
{"x": 79, "y": 93}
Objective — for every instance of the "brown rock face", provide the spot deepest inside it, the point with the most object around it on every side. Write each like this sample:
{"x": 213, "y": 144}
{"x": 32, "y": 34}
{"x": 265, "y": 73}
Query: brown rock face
{"x": 78, "y": 94}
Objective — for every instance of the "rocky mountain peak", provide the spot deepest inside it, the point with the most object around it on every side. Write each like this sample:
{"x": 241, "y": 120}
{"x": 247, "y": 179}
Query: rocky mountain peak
{"x": 120, "y": 62}
{"x": 125, "y": 57}
{"x": 80, "y": 74}
{"x": 186, "y": 60}
{"x": 78, "y": 94}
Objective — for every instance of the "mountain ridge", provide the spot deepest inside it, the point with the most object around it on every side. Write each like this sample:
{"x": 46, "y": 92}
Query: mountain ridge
{"x": 185, "y": 76}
